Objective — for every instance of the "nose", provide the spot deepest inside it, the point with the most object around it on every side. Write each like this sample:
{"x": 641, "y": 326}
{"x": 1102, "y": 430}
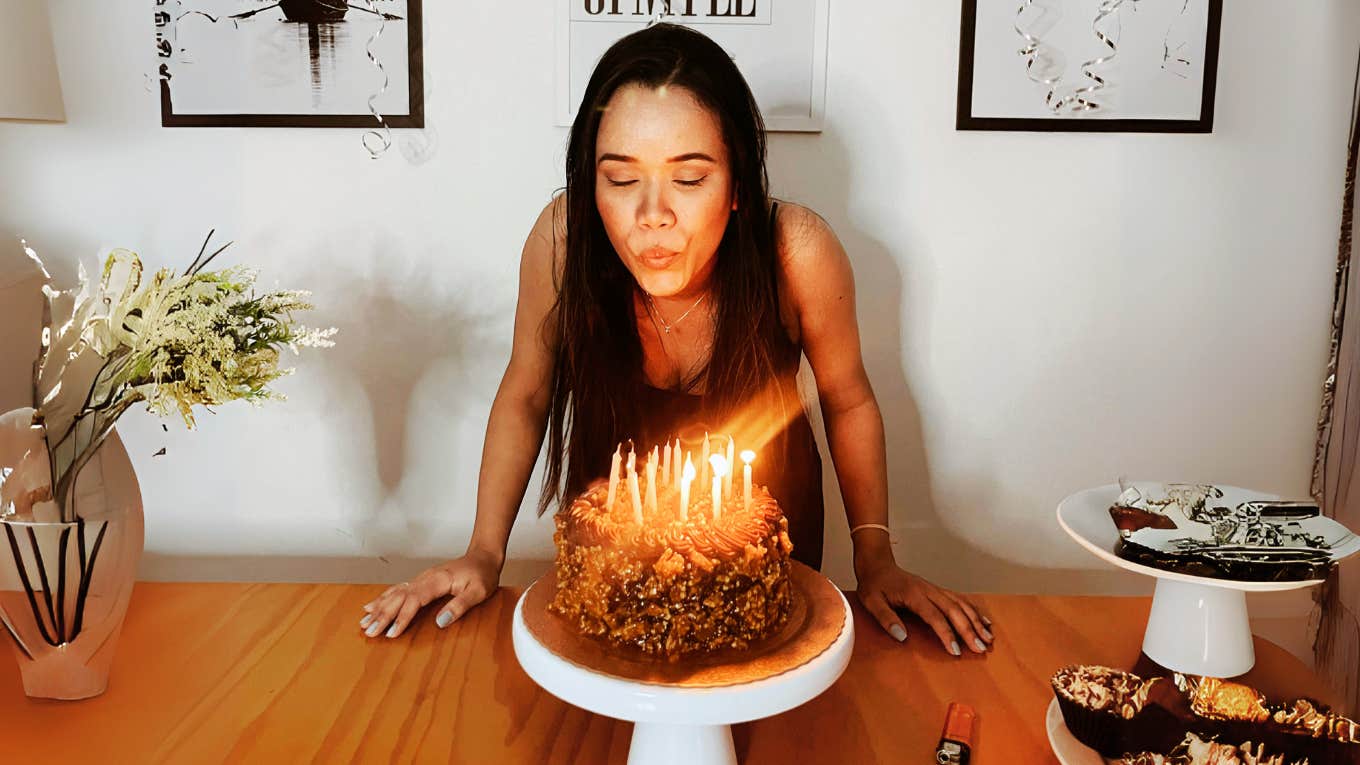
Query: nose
{"x": 654, "y": 210}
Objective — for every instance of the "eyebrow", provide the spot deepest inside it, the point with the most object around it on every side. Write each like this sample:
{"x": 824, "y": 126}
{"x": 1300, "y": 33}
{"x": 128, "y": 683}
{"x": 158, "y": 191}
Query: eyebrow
{"x": 679, "y": 158}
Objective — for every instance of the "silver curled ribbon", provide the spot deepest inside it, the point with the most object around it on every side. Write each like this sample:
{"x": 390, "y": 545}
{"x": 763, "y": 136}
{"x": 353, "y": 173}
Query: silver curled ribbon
{"x": 377, "y": 140}
{"x": 1085, "y": 98}
{"x": 1044, "y": 64}
{"x": 1173, "y": 59}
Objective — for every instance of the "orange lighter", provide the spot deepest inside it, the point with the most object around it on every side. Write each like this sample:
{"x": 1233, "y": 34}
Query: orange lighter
{"x": 956, "y": 742}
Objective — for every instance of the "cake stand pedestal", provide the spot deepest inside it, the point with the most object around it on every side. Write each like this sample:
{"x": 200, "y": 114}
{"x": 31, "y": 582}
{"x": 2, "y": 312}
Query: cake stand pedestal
{"x": 1198, "y": 625}
{"x": 673, "y": 724}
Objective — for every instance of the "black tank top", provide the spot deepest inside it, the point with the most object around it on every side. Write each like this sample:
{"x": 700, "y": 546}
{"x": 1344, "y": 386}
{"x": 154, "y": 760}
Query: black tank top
{"x": 788, "y": 463}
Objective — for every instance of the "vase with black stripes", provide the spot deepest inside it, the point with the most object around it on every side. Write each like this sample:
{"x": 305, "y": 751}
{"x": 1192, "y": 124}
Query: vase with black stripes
{"x": 72, "y": 534}
{"x": 65, "y": 585}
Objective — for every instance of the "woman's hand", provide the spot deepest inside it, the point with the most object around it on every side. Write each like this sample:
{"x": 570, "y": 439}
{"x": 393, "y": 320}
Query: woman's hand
{"x": 883, "y": 586}
{"x": 465, "y": 581}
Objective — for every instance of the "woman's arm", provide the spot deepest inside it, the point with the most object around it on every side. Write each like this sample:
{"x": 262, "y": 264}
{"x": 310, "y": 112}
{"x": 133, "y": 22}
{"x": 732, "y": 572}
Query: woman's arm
{"x": 519, "y": 413}
{"x": 821, "y": 285}
{"x": 514, "y": 434}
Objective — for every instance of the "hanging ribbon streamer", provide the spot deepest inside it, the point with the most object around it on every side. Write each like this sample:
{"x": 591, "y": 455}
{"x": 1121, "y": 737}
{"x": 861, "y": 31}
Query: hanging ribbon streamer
{"x": 1083, "y": 99}
{"x": 1173, "y": 59}
{"x": 378, "y": 140}
{"x": 1044, "y": 64}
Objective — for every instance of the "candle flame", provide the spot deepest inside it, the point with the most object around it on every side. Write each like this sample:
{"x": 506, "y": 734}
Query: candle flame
{"x": 719, "y": 464}
{"x": 690, "y": 472}
{"x": 748, "y": 456}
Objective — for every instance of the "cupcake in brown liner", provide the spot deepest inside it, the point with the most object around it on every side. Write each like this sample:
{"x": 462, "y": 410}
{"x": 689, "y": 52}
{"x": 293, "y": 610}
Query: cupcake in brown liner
{"x": 1104, "y": 708}
{"x": 1299, "y": 729}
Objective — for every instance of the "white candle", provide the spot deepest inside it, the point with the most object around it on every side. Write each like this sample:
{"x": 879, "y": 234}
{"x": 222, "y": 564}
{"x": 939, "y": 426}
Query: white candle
{"x": 666, "y": 463}
{"x": 703, "y": 461}
{"x": 633, "y": 487}
{"x": 685, "y": 481}
{"x": 613, "y": 479}
{"x": 719, "y": 470}
{"x": 651, "y": 483}
{"x": 731, "y": 462}
{"x": 746, "y": 457}
{"x": 679, "y": 466}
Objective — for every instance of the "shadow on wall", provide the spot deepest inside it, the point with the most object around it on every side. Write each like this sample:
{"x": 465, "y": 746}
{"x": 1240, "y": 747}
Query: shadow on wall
{"x": 415, "y": 346}
{"x": 821, "y": 172}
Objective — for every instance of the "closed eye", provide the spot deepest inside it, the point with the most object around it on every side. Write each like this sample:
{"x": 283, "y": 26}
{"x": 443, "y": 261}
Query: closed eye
{"x": 695, "y": 182}
{"x": 613, "y": 182}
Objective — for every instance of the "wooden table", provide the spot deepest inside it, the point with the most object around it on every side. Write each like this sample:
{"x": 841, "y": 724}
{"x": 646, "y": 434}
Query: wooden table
{"x": 281, "y": 673}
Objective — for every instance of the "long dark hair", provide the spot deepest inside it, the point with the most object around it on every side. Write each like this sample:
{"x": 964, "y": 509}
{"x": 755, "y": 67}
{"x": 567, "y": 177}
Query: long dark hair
{"x": 598, "y": 367}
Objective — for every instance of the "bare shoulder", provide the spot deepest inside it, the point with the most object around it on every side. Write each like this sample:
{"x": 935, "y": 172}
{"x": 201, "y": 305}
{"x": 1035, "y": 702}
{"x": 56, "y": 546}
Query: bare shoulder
{"x": 812, "y": 259}
{"x": 547, "y": 242}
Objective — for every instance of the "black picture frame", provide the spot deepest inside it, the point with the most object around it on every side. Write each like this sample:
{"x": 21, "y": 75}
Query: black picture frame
{"x": 964, "y": 119}
{"x": 416, "y": 98}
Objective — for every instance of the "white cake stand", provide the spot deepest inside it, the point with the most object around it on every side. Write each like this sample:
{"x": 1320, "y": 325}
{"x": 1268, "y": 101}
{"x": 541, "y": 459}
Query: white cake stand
{"x": 680, "y": 726}
{"x": 1198, "y": 625}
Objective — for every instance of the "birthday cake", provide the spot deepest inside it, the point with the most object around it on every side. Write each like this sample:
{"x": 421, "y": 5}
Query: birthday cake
{"x": 648, "y": 568}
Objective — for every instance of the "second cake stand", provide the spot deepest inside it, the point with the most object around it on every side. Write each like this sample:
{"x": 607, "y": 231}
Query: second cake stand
{"x": 1198, "y": 625}
{"x": 678, "y": 725}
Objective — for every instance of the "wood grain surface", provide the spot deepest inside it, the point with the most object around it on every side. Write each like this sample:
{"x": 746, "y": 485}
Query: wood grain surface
{"x": 281, "y": 673}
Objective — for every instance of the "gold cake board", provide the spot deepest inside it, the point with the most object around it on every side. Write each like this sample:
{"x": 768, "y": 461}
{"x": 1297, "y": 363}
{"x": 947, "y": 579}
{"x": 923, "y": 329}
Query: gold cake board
{"x": 815, "y": 622}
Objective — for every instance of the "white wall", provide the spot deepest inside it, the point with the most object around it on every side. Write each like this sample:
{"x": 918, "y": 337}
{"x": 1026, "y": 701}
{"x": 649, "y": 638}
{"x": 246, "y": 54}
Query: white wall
{"x": 1040, "y": 312}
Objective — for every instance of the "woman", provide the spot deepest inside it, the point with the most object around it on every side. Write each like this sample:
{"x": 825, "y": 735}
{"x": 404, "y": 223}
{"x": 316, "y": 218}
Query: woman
{"x": 665, "y": 291}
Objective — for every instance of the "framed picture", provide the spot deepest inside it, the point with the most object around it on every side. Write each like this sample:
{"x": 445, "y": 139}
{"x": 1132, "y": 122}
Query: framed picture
{"x": 290, "y": 63}
{"x": 779, "y": 45}
{"x": 1089, "y": 65}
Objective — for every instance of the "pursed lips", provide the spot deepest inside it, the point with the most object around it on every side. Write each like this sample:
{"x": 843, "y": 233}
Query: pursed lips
{"x": 658, "y": 257}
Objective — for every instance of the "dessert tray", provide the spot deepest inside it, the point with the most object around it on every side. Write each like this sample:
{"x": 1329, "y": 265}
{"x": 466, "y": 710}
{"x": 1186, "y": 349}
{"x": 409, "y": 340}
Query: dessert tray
{"x": 683, "y": 710}
{"x": 1198, "y": 623}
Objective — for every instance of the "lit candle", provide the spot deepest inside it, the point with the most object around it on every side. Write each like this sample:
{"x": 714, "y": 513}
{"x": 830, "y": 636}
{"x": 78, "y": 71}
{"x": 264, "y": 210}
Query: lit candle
{"x": 703, "y": 461}
{"x": 613, "y": 478}
{"x": 719, "y": 470}
{"x": 666, "y": 463}
{"x": 633, "y": 487}
{"x": 746, "y": 457}
{"x": 685, "y": 481}
{"x": 679, "y": 466}
{"x": 731, "y": 462}
{"x": 651, "y": 483}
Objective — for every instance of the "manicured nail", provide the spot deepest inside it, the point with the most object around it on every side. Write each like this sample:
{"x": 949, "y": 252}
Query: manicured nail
{"x": 954, "y": 648}
{"x": 986, "y": 621}
{"x": 981, "y": 646}
{"x": 364, "y": 621}
{"x": 392, "y": 631}
{"x": 987, "y": 635}
{"x": 444, "y": 619}
{"x": 373, "y": 629}
{"x": 897, "y": 632}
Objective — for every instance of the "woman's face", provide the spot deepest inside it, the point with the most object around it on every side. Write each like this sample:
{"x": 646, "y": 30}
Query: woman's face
{"x": 663, "y": 187}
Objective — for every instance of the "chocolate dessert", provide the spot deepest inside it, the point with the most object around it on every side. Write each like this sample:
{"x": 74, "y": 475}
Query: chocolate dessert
{"x": 1118, "y": 713}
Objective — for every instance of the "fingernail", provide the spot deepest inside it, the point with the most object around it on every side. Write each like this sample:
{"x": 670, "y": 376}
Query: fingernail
{"x": 981, "y": 646}
{"x": 987, "y": 635}
{"x": 897, "y": 632}
{"x": 986, "y": 621}
{"x": 392, "y": 631}
{"x": 373, "y": 629}
{"x": 444, "y": 619}
{"x": 364, "y": 621}
{"x": 954, "y": 648}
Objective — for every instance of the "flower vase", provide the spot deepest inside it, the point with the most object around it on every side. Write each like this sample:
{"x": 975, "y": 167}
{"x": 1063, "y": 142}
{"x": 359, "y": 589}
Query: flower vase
{"x": 65, "y": 586}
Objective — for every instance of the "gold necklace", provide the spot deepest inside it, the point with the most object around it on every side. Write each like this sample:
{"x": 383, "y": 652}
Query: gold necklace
{"x": 666, "y": 325}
